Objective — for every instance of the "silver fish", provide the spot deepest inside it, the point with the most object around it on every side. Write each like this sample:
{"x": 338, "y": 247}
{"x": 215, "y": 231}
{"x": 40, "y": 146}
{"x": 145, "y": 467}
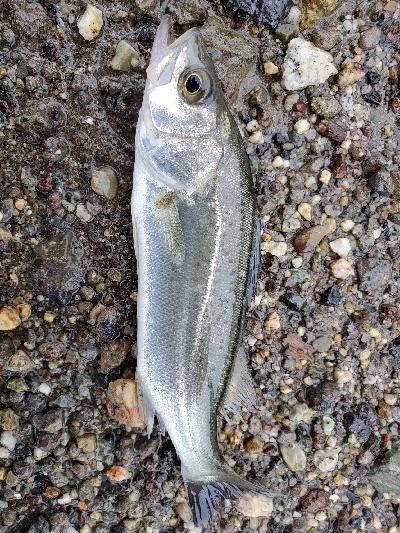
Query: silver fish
{"x": 195, "y": 232}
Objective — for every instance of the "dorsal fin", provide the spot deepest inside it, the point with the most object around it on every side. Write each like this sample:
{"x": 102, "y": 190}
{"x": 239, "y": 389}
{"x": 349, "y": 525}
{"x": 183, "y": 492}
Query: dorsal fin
{"x": 240, "y": 391}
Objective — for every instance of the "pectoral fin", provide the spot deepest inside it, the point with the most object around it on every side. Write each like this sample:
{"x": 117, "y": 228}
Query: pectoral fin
{"x": 170, "y": 224}
{"x": 240, "y": 391}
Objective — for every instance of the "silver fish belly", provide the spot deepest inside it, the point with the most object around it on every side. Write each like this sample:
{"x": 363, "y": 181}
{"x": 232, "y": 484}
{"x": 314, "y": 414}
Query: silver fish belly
{"x": 195, "y": 218}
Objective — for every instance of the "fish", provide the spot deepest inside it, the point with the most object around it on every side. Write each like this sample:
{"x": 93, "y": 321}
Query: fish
{"x": 196, "y": 237}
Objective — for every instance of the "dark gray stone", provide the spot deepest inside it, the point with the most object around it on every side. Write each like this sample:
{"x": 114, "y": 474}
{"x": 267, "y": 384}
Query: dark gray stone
{"x": 385, "y": 476}
{"x": 269, "y": 12}
{"x": 373, "y": 273}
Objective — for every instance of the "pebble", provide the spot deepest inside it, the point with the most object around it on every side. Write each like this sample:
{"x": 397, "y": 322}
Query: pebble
{"x": 341, "y": 246}
{"x": 104, "y": 182}
{"x": 325, "y": 176}
{"x": 253, "y": 506}
{"x": 87, "y": 442}
{"x": 341, "y": 269}
{"x": 51, "y": 350}
{"x": 308, "y": 239}
{"x": 350, "y": 74}
{"x": 270, "y": 68}
{"x": 278, "y": 249}
{"x": 90, "y": 23}
{"x": 50, "y": 422}
{"x": 8, "y": 419}
{"x": 45, "y": 389}
{"x": 305, "y": 65}
{"x": 326, "y": 38}
{"x": 9, "y": 319}
{"x": 326, "y": 459}
{"x": 8, "y": 439}
{"x": 254, "y": 445}
{"x": 82, "y": 213}
{"x": 122, "y": 403}
{"x": 305, "y": 210}
{"x": 301, "y": 126}
{"x": 385, "y": 183}
{"x": 342, "y": 376}
{"x": 347, "y": 225}
{"x": 184, "y": 511}
{"x": 301, "y": 412}
{"x": 373, "y": 273}
{"x": 328, "y": 425}
{"x": 322, "y": 344}
{"x": 125, "y": 57}
{"x": 314, "y": 500}
{"x": 325, "y": 106}
{"x": 277, "y": 162}
{"x": 113, "y": 354}
{"x": 370, "y": 38}
{"x": 20, "y": 362}
{"x": 272, "y": 322}
{"x": 118, "y": 473}
{"x": 331, "y": 129}
{"x": 293, "y": 456}
{"x": 384, "y": 475}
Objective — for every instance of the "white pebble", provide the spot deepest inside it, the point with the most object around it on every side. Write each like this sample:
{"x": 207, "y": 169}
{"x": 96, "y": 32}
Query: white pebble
{"x": 342, "y": 376}
{"x": 277, "y": 162}
{"x": 327, "y": 424}
{"x": 8, "y": 439}
{"x": 125, "y": 57}
{"x": 279, "y": 249}
{"x": 252, "y": 126}
{"x": 90, "y": 23}
{"x": 4, "y": 453}
{"x": 325, "y": 176}
{"x": 44, "y": 388}
{"x": 65, "y": 498}
{"x": 257, "y": 137}
{"x": 341, "y": 246}
{"x": 341, "y": 269}
{"x": 347, "y": 225}
{"x": 302, "y": 126}
{"x": 377, "y": 233}
{"x": 297, "y": 262}
{"x": 39, "y": 454}
{"x": 305, "y": 210}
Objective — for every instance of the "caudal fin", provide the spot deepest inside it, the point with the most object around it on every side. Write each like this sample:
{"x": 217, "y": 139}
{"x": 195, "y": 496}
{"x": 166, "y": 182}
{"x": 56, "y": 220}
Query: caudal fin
{"x": 207, "y": 497}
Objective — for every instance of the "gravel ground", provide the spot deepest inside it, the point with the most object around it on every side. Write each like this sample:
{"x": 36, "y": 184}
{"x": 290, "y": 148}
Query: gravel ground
{"x": 320, "y": 120}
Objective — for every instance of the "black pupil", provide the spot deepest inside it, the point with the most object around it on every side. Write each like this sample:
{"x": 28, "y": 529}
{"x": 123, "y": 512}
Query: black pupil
{"x": 193, "y": 83}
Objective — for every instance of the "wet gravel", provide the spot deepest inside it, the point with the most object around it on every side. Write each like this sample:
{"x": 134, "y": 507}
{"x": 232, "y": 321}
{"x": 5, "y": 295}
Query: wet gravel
{"x": 322, "y": 332}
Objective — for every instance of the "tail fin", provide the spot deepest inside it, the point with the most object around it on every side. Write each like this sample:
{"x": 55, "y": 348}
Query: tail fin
{"x": 207, "y": 497}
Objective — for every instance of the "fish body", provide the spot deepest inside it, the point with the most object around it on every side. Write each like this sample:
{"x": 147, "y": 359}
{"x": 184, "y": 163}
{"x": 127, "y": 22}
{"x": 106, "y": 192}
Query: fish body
{"x": 194, "y": 218}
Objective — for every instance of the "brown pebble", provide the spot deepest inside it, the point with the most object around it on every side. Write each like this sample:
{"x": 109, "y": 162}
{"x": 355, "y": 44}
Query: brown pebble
{"x": 51, "y": 350}
{"x": 51, "y": 493}
{"x": 299, "y": 107}
{"x": 389, "y": 310}
{"x": 123, "y": 402}
{"x": 331, "y": 129}
{"x": 118, "y": 473}
{"x": 314, "y": 500}
{"x": 308, "y": 239}
{"x": 254, "y": 445}
{"x": 339, "y": 167}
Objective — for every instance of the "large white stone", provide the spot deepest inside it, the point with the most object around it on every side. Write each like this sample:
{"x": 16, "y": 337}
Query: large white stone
{"x": 305, "y": 65}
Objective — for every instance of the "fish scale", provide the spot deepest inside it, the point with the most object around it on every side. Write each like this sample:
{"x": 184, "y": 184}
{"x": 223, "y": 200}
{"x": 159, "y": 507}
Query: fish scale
{"x": 195, "y": 230}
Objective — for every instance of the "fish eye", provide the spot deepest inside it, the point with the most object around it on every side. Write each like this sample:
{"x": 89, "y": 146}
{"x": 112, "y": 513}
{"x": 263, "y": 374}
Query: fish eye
{"x": 196, "y": 86}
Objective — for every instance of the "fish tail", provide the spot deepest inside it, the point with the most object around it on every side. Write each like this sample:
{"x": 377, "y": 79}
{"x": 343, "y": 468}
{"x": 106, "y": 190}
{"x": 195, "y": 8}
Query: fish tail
{"x": 207, "y": 497}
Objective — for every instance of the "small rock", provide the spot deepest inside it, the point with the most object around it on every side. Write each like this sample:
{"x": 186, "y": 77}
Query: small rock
{"x": 254, "y": 445}
{"x": 347, "y": 225}
{"x": 331, "y": 296}
{"x": 373, "y": 98}
{"x": 301, "y": 413}
{"x": 341, "y": 246}
{"x": 373, "y": 273}
{"x": 385, "y": 183}
{"x": 370, "y": 38}
{"x": 325, "y": 106}
{"x": 8, "y": 439}
{"x": 293, "y": 300}
{"x": 257, "y": 137}
{"x": 253, "y": 506}
{"x": 301, "y": 126}
{"x": 17, "y": 385}
{"x": 184, "y": 511}
{"x": 104, "y": 182}
{"x": 271, "y": 12}
{"x": 122, "y": 403}
{"x": 125, "y": 57}
{"x": 326, "y": 460}
{"x": 9, "y": 319}
{"x": 20, "y": 362}
{"x": 339, "y": 167}
{"x": 308, "y": 239}
{"x": 341, "y": 269}
{"x": 113, "y": 354}
{"x": 350, "y": 74}
{"x": 328, "y": 425}
{"x": 293, "y": 456}
{"x": 118, "y": 473}
{"x": 286, "y": 32}
{"x": 272, "y": 321}
{"x": 146, "y": 447}
{"x": 51, "y": 350}
{"x": 360, "y": 420}
{"x": 8, "y": 419}
{"x": 331, "y": 129}
{"x": 324, "y": 395}
{"x": 322, "y": 344}
{"x": 314, "y": 500}
{"x": 270, "y": 68}
{"x": 55, "y": 149}
{"x": 342, "y": 376}
{"x": 188, "y": 13}
{"x": 385, "y": 474}
{"x": 109, "y": 321}
{"x": 50, "y": 422}
{"x": 305, "y": 65}
{"x": 82, "y": 213}
{"x": 279, "y": 249}
{"x": 90, "y": 23}
{"x": 325, "y": 38}
{"x": 87, "y": 442}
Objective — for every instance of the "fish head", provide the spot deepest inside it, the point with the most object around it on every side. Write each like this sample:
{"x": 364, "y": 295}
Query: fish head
{"x": 181, "y": 95}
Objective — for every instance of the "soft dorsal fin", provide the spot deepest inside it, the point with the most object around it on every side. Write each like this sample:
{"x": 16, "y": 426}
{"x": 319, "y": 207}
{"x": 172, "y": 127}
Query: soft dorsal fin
{"x": 240, "y": 391}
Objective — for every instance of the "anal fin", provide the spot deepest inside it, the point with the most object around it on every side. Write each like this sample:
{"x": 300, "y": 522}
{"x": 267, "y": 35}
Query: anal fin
{"x": 240, "y": 391}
